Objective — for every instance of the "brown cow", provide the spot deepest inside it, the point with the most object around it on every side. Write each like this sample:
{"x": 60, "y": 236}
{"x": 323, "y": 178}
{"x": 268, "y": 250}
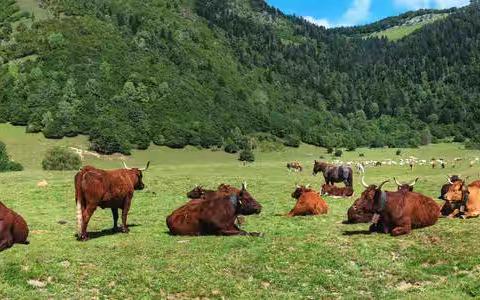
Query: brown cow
{"x": 408, "y": 187}
{"x": 399, "y": 212}
{"x": 335, "y": 191}
{"x": 13, "y": 228}
{"x": 449, "y": 209}
{"x": 308, "y": 203}
{"x": 107, "y": 189}
{"x": 215, "y": 215}
{"x": 467, "y": 196}
{"x": 200, "y": 193}
{"x": 296, "y": 166}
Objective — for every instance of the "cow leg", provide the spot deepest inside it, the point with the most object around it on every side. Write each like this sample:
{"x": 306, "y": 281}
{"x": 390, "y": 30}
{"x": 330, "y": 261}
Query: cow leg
{"x": 87, "y": 214}
{"x": 6, "y": 236}
{"x": 401, "y": 230}
{"x": 115, "y": 219}
{"x": 454, "y": 214}
{"x": 234, "y": 231}
{"x": 126, "y": 208}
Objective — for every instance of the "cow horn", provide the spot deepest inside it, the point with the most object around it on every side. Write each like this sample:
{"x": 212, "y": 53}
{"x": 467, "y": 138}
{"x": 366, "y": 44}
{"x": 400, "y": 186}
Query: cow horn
{"x": 146, "y": 168}
{"x": 365, "y": 185}
{"x": 125, "y": 165}
{"x": 414, "y": 182}
{"x": 449, "y": 179}
{"x": 382, "y": 184}
{"x": 244, "y": 185}
{"x": 307, "y": 186}
{"x": 396, "y": 181}
{"x": 297, "y": 185}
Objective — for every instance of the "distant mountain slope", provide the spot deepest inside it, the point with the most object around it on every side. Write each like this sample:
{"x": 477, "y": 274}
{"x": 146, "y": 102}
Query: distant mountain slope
{"x": 212, "y": 72}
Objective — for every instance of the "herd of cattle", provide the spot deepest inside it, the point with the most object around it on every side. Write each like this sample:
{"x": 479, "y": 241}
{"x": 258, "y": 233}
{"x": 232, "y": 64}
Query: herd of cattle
{"x": 218, "y": 212}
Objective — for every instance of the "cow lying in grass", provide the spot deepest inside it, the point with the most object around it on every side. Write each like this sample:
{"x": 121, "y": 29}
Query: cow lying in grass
{"x": 200, "y": 193}
{"x": 399, "y": 212}
{"x": 450, "y": 209}
{"x": 337, "y": 192}
{"x": 465, "y": 196}
{"x": 214, "y": 214}
{"x": 308, "y": 203}
{"x": 13, "y": 228}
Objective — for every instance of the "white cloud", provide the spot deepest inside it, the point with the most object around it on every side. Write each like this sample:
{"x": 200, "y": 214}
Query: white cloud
{"x": 441, "y": 4}
{"x": 319, "y": 22}
{"x": 358, "y": 12}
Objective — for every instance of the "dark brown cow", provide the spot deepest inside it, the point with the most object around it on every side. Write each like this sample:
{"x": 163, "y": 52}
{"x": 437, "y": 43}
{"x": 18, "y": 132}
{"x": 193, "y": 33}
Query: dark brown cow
{"x": 13, "y": 228}
{"x": 408, "y": 187}
{"x": 333, "y": 174}
{"x": 200, "y": 193}
{"x": 308, "y": 203}
{"x": 399, "y": 212}
{"x": 449, "y": 209}
{"x": 107, "y": 189}
{"x": 335, "y": 191}
{"x": 214, "y": 215}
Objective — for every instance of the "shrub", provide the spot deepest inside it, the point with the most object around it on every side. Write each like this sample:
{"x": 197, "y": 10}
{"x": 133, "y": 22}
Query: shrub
{"x": 361, "y": 154}
{"x": 231, "y": 147}
{"x": 399, "y": 152}
{"x": 60, "y": 159}
{"x": 459, "y": 138}
{"x": 338, "y": 153}
{"x": 292, "y": 141}
{"x": 329, "y": 150}
{"x": 247, "y": 156}
{"x": 6, "y": 165}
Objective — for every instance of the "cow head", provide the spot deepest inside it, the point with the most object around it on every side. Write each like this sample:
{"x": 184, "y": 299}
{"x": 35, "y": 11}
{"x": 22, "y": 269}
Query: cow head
{"x": 247, "y": 205}
{"x": 137, "y": 175}
{"x": 372, "y": 196}
{"x": 228, "y": 189}
{"x": 326, "y": 189}
{"x": 446, "y": 186}
{"x": 406, "y": 187}
{"x": 196, "y": 193}
{"x": 456, "y": 191}
{"x": 318, "y": 166}
{"x": 299, "y": 190}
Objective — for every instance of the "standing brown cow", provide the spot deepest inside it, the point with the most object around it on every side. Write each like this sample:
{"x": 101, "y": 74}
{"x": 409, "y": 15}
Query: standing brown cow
{"x": 107, "y": 189}
{"x": 13, "y": 228}
{"x": 214, "y": 215}
{"x": 308, "y": 203}
{"x": 399, "y": 212}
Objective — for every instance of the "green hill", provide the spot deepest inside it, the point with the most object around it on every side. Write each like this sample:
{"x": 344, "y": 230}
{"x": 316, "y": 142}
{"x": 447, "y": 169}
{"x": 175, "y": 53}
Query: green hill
{"x": 214, "y": 73}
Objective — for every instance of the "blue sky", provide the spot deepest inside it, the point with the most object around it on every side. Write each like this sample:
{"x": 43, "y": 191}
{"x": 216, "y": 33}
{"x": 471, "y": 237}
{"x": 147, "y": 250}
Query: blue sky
{"x": 331, "y": 13}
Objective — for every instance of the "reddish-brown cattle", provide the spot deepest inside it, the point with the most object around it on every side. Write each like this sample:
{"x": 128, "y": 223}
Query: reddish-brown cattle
{"x": 449, "y": 209}
{"x": 214, "y": 215}
{"x": 296, "y": 166}
{"x": 335, "y": 191}
{"x": 399, "y": 212}
{"x": 467, "y": 196}
{"x": 200, "y": 193}
{"x": 308, "y": 203}
{"x": 13, "y": 228}
{"x": 408, "y": 187}
{"x": 106, "y": 189}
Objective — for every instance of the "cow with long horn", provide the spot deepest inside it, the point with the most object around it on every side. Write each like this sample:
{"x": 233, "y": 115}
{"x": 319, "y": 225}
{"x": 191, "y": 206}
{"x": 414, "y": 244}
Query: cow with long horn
{"x": 467, "y": 197}
{"x": 405, "y": 186}
{"x": 106, "y": 189}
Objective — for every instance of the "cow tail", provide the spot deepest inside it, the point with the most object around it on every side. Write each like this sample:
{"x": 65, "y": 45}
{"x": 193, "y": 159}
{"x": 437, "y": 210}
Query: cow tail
{"x": 79, "y": 201}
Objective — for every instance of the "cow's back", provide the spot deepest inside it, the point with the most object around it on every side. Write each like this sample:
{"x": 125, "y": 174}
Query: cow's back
{"x": 473, "y": 204}
{"x": 311, "y": 203}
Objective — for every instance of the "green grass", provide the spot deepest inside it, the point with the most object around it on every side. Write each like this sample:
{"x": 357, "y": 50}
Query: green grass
{"x": 32, "y": 7}
{"x": 308, "y": 257}
{"x": 399, "y": 32}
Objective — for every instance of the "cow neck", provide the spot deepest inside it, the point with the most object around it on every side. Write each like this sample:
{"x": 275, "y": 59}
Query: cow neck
{"x": 234, "y": 200}
{"x": 383, "y": 200}
{"x": 465, "y": 194}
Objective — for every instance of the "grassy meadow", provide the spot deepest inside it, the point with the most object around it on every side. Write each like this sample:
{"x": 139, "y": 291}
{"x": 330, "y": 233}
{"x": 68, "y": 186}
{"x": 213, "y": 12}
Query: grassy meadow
{"x": 309, "y": 257}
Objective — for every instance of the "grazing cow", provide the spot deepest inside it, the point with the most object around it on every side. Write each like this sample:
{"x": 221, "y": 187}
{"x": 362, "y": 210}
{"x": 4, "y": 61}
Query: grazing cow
{"x": 13, "y": 228}
{"x": 333, "y": 174}
{"x": 405, "y": 186}
{"x": 296, "y": 166}
{"x": 467, "y": 196}
{"x": 215, "y": 215}
{"x": 308, "y": 203}
{"x": 335, "y": 191}
{"x": 107, "y": 189}
{"x": 399, "y": 212}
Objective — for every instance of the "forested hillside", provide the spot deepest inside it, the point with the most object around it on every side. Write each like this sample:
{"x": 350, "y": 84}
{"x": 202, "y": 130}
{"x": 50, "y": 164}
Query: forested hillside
{"x": 209, "y": 73}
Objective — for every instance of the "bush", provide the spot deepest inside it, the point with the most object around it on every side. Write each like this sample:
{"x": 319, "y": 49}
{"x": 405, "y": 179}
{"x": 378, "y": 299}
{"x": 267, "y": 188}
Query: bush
{"x": 247, "y": 156}
{"x": 399, "y": 152}
{"x": 329, "y": 150}
{"x": 338, "y": 153}
{"x": 459, "y": 138}
{"x": 292, "y": 141}
{"x": 61, "y": 159}
{"x": 361, "y": 154}
{"x": 6, "y": 165}
{"x": 231, "y": 147}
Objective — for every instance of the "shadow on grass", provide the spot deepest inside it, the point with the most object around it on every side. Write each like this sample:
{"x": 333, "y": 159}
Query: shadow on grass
{"x": 106, "y": 232}
{"x": 357, "y": 232}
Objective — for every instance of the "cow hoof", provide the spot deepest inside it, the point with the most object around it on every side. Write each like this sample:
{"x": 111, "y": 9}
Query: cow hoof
{"x": 116, "y": 229}
{"x": 82, "y": 238}
{"x": 257, "y": 234}
{"x": 125, "y": 230}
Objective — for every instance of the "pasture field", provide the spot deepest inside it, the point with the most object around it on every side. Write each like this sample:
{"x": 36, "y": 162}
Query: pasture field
{"x": 310, "y": 257}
